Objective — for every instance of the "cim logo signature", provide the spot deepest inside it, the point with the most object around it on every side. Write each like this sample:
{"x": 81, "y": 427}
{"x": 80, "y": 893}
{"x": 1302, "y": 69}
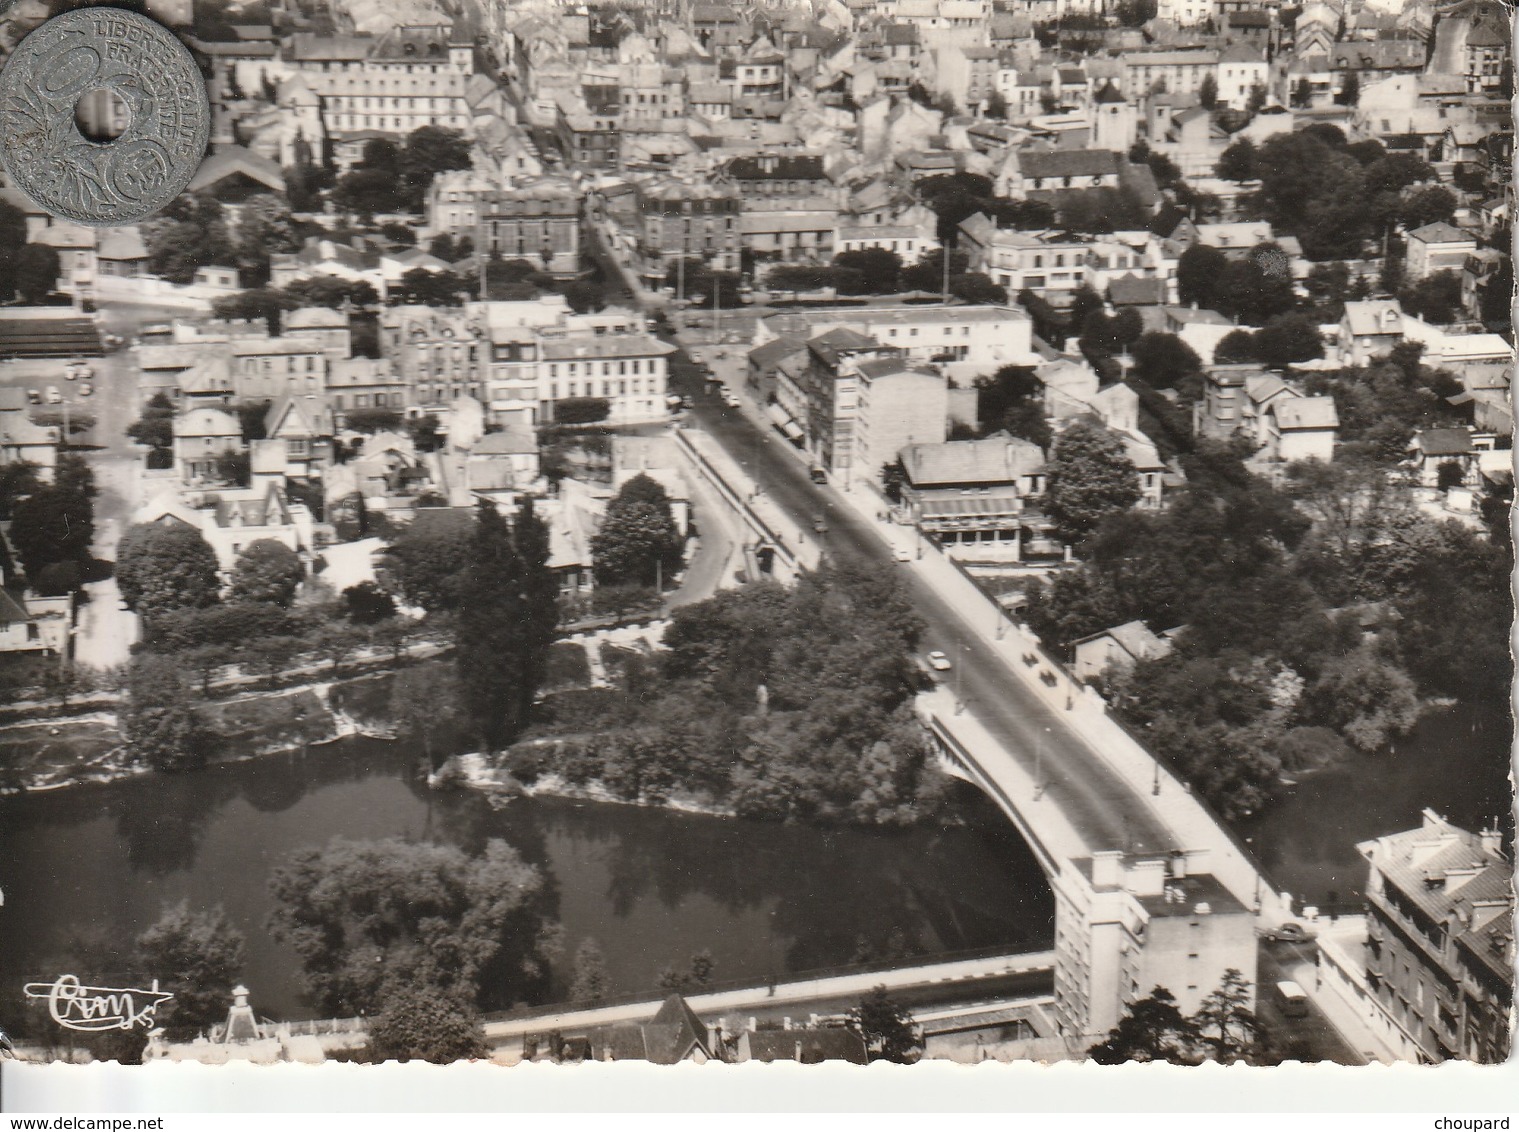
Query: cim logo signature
{"x": 77, "y": 1007}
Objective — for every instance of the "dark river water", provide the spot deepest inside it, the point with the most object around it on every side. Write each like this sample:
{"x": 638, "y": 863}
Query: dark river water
{"x": 95, "y": 865}
{"x": 86, "y": 869}
{"x": 1455, "y": 762}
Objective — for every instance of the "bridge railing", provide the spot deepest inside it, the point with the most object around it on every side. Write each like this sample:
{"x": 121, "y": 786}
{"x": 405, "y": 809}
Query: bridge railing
{"x": 720, "y": 482}
{"x": 1130, "y": 756}
{"x": 655, "y": 994}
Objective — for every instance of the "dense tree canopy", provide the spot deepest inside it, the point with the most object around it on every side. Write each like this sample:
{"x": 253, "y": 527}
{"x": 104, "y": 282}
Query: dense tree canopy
{"x": 422, "y": 1023}
{"x": 1090, "y": 477}
{"x": 368, "y": 918}
{"x": 158, "y": 720}
{"x": 165, "y": 566}
{"x": 268, "y": 571}
{"x": 638, "y": 540}
{"x": 54, "y": 524}
{"x": 425, "y": 560}
{"x": 197, "y": 957}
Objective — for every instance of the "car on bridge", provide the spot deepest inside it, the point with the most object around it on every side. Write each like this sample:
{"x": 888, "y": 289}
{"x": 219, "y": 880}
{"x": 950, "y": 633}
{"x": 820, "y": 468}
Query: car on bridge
{"x": 902, "y": 554}
{"x": 1287, "y": 933}
{"x": 939, "y": 662}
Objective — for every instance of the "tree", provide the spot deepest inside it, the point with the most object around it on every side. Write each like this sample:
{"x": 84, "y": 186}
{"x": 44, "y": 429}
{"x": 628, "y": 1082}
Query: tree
{"x": 893, "y": 476}
{"x": 1199, "y": 270}
{"x": 259, "y": 303}
{"x": 372, "y": 420}
{"x": 422, "y": 701}
{"x": 368, "y": 190}
{"x": 17, "y": 481}
{"x": 264, "y": 228}
{"x": 539, "y": 628}
{"x": 1152, "y": 1029}
{"x": 638, "y": 540}
{"x": 1164, "y": 360}
{"x": 1207, "y": 92}
{"x": 1089, "y": 478}
{"x": 1435, "y": 298}
{"x": 589, "y": 982}
{"x": 157, "y": 721}
{"x": 367, "y": 604}
{"x": 190, "y": 233}
{"x": 996, "y": 105}
{"x": 1234, "y": 348}
{"x": 424, "y": 1023}
{"x": 198, "y": 958}
{"x": 329, "y": 291}
{"x": 430, "y": 150}
{"x": 1350, "y": 89}
{"x": 886, "y": 1028}
{"x": 1302, "y": 93}
{"x": 1368, "y": 699}
{"x": 368, "y": 917}
{"x": 54, "y": 524}
{"x": 1237, "y": 163}
{"x": 880, "y": 270}
{"x": 581, "y": 410}
{"x": 155, "y": 428}
{"x": 427, "y": 560}
{"x": 267, "y": 570}
{"x": 1287, "y": 339}
{"x": 34, "y": 271}
{"x": 491, "y": 602}
{"x": 431, "y": 288}
{"x": 1226, "y": 1023}
{"x": 161, "y": 567}
{"x": 1427, "y": 206}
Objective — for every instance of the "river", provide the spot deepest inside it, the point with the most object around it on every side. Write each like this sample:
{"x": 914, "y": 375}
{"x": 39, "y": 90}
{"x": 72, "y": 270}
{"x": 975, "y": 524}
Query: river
{"x": 88, "y": 868}
{"x": 1456, "y": 762}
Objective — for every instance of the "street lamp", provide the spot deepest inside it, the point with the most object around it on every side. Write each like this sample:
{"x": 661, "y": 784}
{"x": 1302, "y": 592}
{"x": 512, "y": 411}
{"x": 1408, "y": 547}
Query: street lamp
{"x": 1039, "y": 764}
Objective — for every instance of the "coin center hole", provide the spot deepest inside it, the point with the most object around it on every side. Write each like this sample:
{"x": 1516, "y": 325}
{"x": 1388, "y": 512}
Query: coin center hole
{"x": 101, "y": 115}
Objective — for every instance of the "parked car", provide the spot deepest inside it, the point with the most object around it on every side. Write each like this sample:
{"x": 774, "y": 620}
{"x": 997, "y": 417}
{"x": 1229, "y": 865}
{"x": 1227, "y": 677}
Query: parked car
{"x": 86, "y": 388}
{"x": 939, "y": 662}
{"x": 902, "y": 554}
{"x": 819, "y": 525}
{"x": 731, "y": 400}
{"x": 77, "y": 368}
{"x": 53, "y": 396}
{"x": 817, "y": 474}
{"x": 1288, "y": 933}
{"x": 34, "y": 396}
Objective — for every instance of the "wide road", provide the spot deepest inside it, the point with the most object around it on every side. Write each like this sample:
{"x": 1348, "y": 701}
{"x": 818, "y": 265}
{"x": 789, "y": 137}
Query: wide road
{"x": 1092, "y": 797}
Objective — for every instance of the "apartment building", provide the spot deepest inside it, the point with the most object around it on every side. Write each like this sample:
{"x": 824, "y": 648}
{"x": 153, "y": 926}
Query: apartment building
{"x": 408, "y": 78}
{"x": 1125, "y": 925}
{"x": 1440, "y": 939}
{"x": 536, "y": 220}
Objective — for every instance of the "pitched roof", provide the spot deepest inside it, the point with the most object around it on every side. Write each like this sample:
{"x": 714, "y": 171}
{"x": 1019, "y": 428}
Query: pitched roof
{"x": 771, "y": 353}
{"x": 998, "y": 459}
{"x": 230, "y": 159}
{"x": 1441, "y": 233}
{"x": 1306, "y": 412}
{"x": 1444, "y": 441}
{"x": 808, "y": 1045}
{"x": 1371, "y": 316}
{"x": 1134, "y": 290}
{"x": 1135, "y": 638}
{"x": 1067, "y": 162}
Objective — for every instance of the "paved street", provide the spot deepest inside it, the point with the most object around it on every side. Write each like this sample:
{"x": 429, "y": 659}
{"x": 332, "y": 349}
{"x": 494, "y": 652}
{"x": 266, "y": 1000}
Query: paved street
{"x": 1094, "y": 798}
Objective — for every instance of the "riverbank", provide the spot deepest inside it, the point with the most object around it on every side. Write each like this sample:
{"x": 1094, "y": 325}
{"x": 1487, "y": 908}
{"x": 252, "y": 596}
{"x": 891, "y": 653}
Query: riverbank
{"x": 501, "y": 787}
{"x": 48, "y": 755}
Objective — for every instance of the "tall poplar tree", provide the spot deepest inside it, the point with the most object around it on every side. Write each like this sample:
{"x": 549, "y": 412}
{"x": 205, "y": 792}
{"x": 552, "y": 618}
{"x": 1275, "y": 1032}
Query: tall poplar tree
{"x": 540, "y": 595}
{"x": 491, "y": 621}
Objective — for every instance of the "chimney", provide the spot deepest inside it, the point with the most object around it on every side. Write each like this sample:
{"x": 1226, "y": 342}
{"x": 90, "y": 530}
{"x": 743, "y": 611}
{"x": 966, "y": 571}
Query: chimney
{"x": 1492, "y": 841}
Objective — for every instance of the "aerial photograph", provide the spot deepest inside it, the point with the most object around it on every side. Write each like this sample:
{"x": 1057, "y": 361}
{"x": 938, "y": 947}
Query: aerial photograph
{"x": 821, "y": 531}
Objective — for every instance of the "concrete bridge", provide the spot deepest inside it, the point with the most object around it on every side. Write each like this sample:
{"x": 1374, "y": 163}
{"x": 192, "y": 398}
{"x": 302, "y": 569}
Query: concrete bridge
{"x": 1151, "y": 889}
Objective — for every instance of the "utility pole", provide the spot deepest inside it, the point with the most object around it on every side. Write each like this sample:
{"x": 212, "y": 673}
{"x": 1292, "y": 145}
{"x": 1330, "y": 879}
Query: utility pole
{"x": 944, "y": 254}
{"x": 717, "y": 311}
{"x": 1039, "y": 764}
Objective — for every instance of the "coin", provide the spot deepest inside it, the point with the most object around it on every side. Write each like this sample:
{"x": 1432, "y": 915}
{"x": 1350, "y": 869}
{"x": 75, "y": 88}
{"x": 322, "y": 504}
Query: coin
{"x": 167, "y": 115}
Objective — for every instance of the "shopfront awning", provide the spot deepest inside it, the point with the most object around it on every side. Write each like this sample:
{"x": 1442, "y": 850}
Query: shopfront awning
{"x": 784, "y": 422}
